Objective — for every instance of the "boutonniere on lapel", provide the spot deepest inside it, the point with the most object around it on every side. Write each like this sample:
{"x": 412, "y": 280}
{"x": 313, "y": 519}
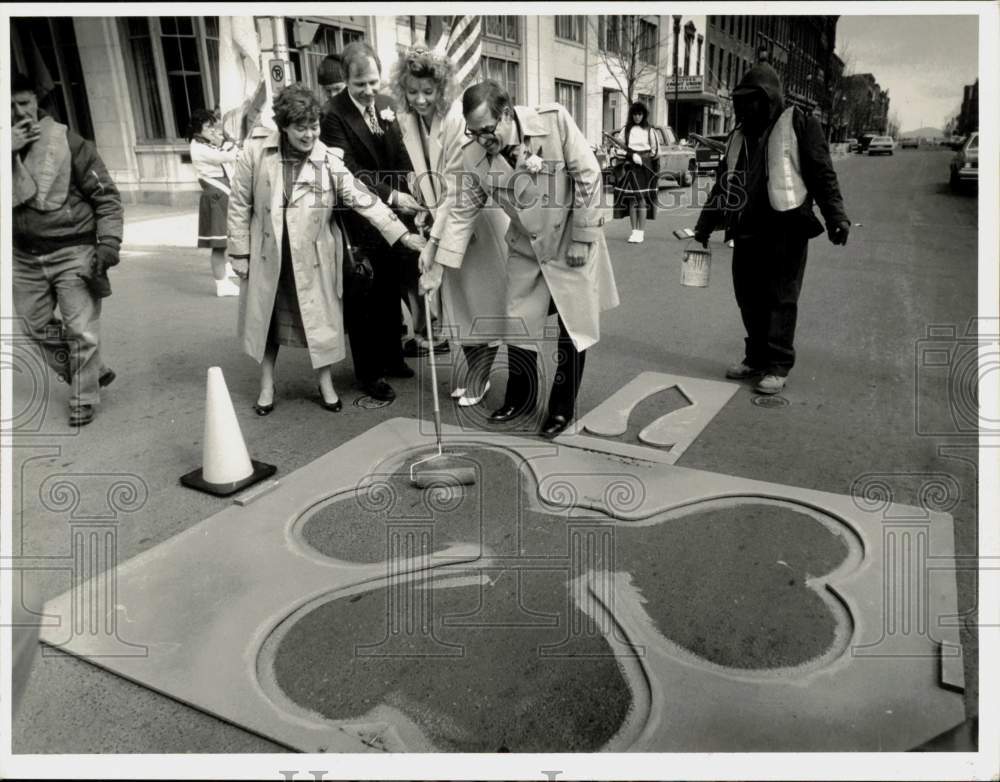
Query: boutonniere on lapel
{"x": 534, "y": 163}
{"x": 387, "y": 115}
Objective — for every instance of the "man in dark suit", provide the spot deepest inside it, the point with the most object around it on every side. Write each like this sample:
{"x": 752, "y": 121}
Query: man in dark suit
{"x": 362, "y": 123}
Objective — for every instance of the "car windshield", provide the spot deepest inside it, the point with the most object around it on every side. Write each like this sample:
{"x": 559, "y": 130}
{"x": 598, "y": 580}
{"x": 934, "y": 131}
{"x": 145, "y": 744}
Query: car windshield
{"x": 974, "y": 142}
{"x": 667, "y": 136}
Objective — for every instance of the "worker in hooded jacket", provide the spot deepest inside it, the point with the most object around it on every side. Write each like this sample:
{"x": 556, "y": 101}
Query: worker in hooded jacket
{"x": 777, "y": 164}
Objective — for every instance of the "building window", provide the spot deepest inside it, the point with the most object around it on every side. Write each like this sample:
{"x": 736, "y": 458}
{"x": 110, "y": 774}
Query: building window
{"x": 697, "y": 62}
{"x": 570, "y": 28}
{"x": 45, "y": 50}
{"x": 570, "y": 95}
{"x": 710, "y": 64}
{"x": 174, "y": 69}
{"x": 739, "y": 27}
{"x": 647, "y": 42}
{"x": 329, "y": 39}
{"x": 504, "y": 28}
{"x": 729, "y": 70}
{"x": 687, "y": 56}
{"x": 505, "y": 72}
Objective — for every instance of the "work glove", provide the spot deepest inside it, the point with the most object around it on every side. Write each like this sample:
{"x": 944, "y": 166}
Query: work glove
{"x": 96, "y": 278}
{"x": 838, "y": 233}
{"x": 107, "y": 256}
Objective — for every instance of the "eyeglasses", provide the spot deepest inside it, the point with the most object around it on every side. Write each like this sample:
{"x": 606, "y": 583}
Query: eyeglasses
{"x": 479, "y": 133}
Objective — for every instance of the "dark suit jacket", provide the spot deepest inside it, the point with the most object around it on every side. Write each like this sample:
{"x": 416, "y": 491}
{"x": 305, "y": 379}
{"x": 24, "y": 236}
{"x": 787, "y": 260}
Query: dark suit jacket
{"x": 380, "y": 163}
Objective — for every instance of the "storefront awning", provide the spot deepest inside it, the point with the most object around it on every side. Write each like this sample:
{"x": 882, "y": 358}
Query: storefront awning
{"x": 704, "y": 98}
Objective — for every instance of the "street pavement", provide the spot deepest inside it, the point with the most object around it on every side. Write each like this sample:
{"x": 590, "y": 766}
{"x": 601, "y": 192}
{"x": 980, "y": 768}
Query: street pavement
{"x": 854, "y": 415}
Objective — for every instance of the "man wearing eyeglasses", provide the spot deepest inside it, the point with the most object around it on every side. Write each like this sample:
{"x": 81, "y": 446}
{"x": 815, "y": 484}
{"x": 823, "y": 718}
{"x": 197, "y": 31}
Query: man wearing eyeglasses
{"x": 536, "y": 165}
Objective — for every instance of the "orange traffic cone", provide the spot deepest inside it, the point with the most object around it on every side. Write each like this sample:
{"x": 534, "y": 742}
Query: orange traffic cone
{"x": 226, "y": 464}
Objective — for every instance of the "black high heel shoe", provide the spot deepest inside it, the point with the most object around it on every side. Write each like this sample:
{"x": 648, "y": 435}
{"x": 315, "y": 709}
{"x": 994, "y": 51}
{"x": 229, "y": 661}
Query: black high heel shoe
{"x": 333, "y": 407}
{"x": 263, "y": 410}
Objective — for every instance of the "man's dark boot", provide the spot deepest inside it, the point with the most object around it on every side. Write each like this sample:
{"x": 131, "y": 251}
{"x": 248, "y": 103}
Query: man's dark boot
{"x": 565, "y": 387}
{"x": 522, "y": 385}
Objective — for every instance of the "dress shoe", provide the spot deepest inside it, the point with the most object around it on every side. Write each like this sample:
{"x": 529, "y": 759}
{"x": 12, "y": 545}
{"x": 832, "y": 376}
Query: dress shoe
{"x": 471, "y": 400}
{"x": 411, "y": 349}
{"x": 379, "y": 389}
{"x": 333, "y": 407}
{"x": 508, "y": 412}
{"x": 81, "y": 415}
{"x": 741, "y": 371}
{"x": 770, "y": 384}
{"x": 262, "y": 410}
{"x": 554, "y": 425}
{"x": 107, "y": 377}
{"x": 400, "y": 370}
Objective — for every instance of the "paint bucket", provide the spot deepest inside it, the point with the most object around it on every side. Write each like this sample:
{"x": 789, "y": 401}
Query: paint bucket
{"x": 696, "y": 266}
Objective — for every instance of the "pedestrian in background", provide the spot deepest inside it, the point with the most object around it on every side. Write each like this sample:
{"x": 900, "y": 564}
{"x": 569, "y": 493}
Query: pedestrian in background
{"x": 287, "y": 246}
{"x": 362, "y": 123}
{"x": 330, "y": 77}
{"x": 777, "y": 163}
{"x": 536, "y": 164}
{"x": 67, "y": 231}
{"x": 423, "y": 85}
{"x": 213, "y": 157}
{"x": 636, "y": 187}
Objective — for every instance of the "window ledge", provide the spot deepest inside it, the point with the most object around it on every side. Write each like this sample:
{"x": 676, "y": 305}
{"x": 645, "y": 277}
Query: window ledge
{"x": 569, "y": 42}
{"x": 162, "y": 146}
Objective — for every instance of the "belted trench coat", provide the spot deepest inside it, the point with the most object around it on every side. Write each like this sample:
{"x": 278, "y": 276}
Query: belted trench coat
{"x": 473, "y": 299}
{"x": 548, "y": 210}
{"x": 256, "y": 227}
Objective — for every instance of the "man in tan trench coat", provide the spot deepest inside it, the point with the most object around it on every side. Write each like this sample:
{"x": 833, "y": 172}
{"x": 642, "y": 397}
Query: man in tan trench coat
{"x": 538, "y": 167}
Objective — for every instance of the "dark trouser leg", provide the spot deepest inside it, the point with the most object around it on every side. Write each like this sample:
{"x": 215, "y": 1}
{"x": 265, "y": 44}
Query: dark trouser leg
{"x": 569, "y": 374}
{"x": 479, "y": 361}
{"x": 750, "y": 261}
{"x": 783, "y": 286}
{"x": 386, "y": 313}
{"x": 522, "y": 378}
{"x": 362, "y": 345}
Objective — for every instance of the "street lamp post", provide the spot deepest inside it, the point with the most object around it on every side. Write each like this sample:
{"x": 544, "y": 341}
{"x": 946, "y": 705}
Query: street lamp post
{"x": 677, "y": 103}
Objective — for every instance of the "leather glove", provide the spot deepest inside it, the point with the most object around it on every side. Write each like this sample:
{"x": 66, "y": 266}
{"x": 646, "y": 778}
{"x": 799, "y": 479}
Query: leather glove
{"x": 838, "y": 233}
{"x": 107, "y": 256}
{"x": 96, "y": 278}
{"x": 241, "y": 266}
{"x": 702, "y": 239}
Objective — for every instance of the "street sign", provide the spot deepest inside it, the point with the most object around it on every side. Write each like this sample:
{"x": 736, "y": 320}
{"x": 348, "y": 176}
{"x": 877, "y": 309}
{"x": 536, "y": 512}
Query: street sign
{"x": 278, "y": 71}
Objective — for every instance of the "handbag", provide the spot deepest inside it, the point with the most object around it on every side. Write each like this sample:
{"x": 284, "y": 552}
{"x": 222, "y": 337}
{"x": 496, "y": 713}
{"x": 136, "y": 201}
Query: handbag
{"x": 359, "y": 274}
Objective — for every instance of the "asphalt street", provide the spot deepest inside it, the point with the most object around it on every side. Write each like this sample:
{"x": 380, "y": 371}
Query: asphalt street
{"x": 864, "y": 407}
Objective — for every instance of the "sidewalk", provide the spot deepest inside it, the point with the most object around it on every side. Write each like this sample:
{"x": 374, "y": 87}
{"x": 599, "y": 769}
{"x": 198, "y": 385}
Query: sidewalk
{"x": 158, "y": 225}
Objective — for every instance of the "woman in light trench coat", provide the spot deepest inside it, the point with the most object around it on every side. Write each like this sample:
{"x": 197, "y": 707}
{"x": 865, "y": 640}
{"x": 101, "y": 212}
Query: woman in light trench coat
{"x": 286, "y": 245}
{"x": 433, "y": 129}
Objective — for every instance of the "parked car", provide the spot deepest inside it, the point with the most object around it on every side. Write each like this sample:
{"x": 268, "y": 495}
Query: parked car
{"x": 853, "y": 145}
{"x": 708, "y": 152}
{"x": 881, "y": 145}
{"x": 965, "y": 164}
{"x": 676, "y": 162}
{"x": 910, "y": 143}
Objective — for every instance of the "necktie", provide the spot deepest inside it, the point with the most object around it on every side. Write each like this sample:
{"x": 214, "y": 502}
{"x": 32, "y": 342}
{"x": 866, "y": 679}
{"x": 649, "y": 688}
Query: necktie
{"x": 509, "y": 156}
{"x": 373, "y": 125}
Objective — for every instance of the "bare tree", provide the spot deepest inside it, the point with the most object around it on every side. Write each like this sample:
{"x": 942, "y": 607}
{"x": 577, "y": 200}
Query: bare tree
{"x": 892, "y": 129}
{"x": 629, "y": 47}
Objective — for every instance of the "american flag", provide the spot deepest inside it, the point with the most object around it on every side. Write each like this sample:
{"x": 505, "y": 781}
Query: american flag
{"x": 464, "y": 46}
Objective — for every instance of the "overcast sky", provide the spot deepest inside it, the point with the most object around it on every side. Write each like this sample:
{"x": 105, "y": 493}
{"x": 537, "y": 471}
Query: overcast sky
{"x": 923, "y": 61}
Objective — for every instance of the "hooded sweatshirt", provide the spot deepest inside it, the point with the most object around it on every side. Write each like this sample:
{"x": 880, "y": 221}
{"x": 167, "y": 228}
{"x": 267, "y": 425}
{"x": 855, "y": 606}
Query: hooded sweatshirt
{"x": 754, "y": 216}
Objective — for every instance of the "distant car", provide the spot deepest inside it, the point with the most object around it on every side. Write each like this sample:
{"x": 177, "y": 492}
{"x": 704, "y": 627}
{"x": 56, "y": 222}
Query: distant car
{"x": 965, "y": 164}
{"x": 881, "y": 145}
{"x": 853, "y": 145}
{"x": 910, "y": 143}
{"x": 676, "y": 162}
{"x": 708, "y": 152}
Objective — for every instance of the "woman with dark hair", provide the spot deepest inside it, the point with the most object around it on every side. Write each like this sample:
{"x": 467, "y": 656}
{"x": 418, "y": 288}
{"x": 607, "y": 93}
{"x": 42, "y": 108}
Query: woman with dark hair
{"x": 286, "y": 244}
{"x": 433, "y": 128}
{"x": 637, "y": 184}
{"x": 212, "y": 157}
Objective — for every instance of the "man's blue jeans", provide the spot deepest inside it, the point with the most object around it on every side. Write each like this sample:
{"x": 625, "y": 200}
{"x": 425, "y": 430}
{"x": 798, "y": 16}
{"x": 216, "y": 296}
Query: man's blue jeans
{"x": 43, "y": 282}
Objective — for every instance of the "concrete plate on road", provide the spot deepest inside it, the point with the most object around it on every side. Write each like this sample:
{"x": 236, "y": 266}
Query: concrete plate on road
{"x": 668, "y": 436}
{"x": 568, "y": 601}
